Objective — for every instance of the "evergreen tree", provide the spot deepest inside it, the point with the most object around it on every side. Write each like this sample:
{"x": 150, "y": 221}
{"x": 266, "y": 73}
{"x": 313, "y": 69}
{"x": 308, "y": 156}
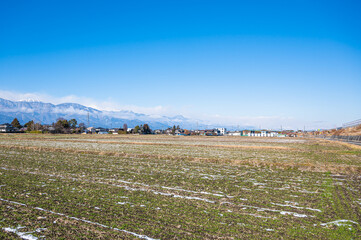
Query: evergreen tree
{"x": 29, "y": 125}
{"x": 73, "y": 122}
{"x": 62, "y": 126}
{"x": 16, "y": 123}
{"x": 146, "y": 129}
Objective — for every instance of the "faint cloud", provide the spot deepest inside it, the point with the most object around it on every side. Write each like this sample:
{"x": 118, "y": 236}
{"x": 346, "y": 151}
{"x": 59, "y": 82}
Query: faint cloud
{"x": 16, "y": 96}
{"x": 108, "y": 105}
{"x": 191, "y": 112}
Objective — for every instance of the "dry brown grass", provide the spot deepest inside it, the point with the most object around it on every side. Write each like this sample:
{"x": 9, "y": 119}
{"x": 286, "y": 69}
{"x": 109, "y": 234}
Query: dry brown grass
{"x": 304, "y": 166}
{"x": 170, "y": 144}
{"x": 350, "y": 131}
{"x": 349, "y": 145}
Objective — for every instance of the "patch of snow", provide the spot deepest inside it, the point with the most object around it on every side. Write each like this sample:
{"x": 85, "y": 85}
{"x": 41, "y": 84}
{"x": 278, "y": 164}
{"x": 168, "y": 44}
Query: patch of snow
{"x": 297, "y": 207}
{"x": 17, "y": 203}
{"x": 82, "y": 220}
{"x": 306, "y": 191}
{"x": 276, "y": 210}
{"x": 190, "y": 191}
{"x": 294, "y": 214}
{"x": 341, "y": 222}
{"x": 23, "y": 235}
{"x": 184, "y": 197}
{"x": 256, "y": 215}
{"x": 258, "y": 184}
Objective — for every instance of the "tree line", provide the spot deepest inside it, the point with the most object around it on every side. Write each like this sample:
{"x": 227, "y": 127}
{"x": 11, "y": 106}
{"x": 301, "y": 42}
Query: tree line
{"x": 60, "y": 126}
{"x": 71, "y": 126}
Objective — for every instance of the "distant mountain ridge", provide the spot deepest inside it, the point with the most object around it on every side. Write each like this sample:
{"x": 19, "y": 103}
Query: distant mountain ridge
{"x": 47, "y": 113}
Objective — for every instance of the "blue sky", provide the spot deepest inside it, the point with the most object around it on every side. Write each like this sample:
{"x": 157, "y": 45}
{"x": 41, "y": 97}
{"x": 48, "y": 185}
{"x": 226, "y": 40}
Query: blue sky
{"x": 262, "y": 63}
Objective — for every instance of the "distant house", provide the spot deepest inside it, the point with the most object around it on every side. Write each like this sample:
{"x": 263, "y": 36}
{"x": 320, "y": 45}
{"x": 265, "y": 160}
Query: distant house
{"x": 89, "y": 130}
{"x": 158, "y": 131}
{"x": 253, "y": 133}
{"x": 103, "y": 133}
{"x": 246, "y": 133}
{"x": 222, "y": 131}
{"x": 211, "y": 132}
{"x": 265, "y": 133}
{"x": 48, "y": 128}
{"x": 100, "y": 129}
{"x": 169, "y": 131}
{"x": 7, "y": 128}
{"x": 235, "y": 133}
{"x": 198, "y": 132}
{"x": 115, "y": 130}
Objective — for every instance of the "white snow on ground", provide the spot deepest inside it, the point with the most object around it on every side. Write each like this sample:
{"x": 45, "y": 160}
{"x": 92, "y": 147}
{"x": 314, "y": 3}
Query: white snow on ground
{"x": 79, "y": 219}
{"x": 185, "y": 197}
{"x": 123, "y": 203}
{"x": 23, "y": 235}
{"x": 260, "y": 209}
{"x": 293, "y": 214}
{"x": 342, "y": 222}
{"x": 17, "y": 203}
{"x": 279, "y": 211}
{"x": 190, "y": 191}
{"x": 259, "y": 216}
{"x": 297, "y": 207}
{"x": 194, "y": 198}
{"x": 140, "y": 189}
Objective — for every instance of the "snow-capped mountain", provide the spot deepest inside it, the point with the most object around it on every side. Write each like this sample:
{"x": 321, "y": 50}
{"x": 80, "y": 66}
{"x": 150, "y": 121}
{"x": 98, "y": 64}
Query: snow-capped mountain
{"x": 47, "y": 113}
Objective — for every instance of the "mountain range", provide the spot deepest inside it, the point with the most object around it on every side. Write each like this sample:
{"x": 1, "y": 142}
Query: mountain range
{"x": 47, "y": 113}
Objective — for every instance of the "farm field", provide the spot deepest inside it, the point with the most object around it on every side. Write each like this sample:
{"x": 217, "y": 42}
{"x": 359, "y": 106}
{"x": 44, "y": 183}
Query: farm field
{"x": 176, "y": 187}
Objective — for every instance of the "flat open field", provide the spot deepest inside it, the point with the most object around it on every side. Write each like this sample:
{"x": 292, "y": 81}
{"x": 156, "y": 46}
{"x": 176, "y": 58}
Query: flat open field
{"x": 165, "y": 187}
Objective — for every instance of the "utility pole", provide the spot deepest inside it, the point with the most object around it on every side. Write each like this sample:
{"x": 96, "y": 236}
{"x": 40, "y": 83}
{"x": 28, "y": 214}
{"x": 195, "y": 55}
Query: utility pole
{"x": 88, "y": 119}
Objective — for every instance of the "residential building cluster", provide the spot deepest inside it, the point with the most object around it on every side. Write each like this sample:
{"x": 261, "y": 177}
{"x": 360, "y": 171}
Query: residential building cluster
{"x": 71, "y": 126}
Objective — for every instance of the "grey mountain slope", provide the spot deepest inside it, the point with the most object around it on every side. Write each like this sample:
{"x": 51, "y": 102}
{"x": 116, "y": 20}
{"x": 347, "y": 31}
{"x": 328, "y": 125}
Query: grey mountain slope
{"x": 47, "y": 113}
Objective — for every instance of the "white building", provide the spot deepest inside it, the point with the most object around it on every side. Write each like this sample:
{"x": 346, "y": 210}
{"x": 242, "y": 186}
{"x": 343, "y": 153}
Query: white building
{"x": 222, "y": 131}
{"x": 234, "y": 134}
{"x": 265, "y": 133}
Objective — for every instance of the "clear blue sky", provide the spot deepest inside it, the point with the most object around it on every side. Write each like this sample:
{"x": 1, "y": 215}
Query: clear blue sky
{"x": 269, "y": 63}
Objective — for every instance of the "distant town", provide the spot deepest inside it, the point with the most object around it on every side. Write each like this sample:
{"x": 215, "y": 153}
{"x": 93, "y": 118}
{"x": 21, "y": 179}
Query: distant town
{"x": 63, "y": 126}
